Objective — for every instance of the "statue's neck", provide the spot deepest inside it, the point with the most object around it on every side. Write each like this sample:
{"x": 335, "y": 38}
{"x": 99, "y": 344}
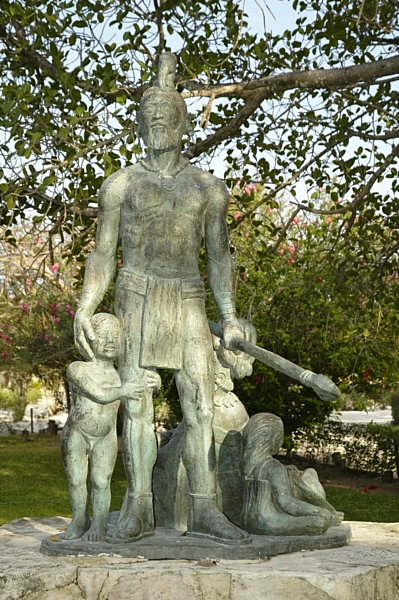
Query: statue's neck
{"x": 164, "y": 160}
{"x": 105, "y": 364}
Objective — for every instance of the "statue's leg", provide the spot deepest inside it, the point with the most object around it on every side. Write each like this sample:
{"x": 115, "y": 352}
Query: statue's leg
{"x": 73, "y": 448}
{"x": 103, "y": 458}
{"x": 195, "y": 383}
{"x": 139, "y": 447}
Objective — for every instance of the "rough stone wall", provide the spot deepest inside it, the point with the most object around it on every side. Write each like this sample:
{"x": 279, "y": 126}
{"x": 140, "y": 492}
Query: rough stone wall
{"x": 367, "y": 569}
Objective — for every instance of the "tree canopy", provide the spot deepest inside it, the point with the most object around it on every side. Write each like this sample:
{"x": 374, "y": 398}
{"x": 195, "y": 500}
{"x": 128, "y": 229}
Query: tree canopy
{"x": 305, "y": 122}
{"x": 314, "y": 103}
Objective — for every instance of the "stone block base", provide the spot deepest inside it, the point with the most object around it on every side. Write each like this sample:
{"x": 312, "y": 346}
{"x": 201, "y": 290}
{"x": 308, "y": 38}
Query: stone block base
{"x": 366, "y": 569}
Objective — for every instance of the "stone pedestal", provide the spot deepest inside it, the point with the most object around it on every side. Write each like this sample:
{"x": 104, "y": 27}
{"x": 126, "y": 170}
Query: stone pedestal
{"x": 366, "y": 569}
{"x": 169, "y": 544}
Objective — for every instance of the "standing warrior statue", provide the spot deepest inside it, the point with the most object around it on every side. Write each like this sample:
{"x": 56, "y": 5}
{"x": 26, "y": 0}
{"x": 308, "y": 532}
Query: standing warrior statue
{"x": 162, "y": 207}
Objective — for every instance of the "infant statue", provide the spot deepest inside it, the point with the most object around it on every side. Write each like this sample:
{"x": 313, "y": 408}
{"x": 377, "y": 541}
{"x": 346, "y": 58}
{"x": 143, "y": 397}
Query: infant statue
{"x": 90, "y": 430}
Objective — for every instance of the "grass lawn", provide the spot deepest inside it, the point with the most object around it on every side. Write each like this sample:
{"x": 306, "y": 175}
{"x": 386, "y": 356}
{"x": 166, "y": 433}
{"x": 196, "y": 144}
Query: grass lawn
{"x": 379, "y": 507}
{"x": 33, "y": 481}
{"x": 33, "y": 484}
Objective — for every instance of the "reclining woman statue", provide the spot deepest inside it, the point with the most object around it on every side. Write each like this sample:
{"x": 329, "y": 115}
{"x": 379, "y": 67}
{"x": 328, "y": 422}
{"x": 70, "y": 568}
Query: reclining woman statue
{"x": 279, "y": 500}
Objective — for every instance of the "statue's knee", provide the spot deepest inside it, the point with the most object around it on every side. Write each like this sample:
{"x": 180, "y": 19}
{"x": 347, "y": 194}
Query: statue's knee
{"x": 101, "y": 484}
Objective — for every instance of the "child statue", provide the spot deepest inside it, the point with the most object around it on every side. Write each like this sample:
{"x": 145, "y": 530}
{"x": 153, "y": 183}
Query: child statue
{"x": 277, "y": 500}
{"x": 90, "y": 430}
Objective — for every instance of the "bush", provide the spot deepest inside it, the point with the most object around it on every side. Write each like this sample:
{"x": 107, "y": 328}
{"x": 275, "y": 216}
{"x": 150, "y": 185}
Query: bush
{"x": 372, "y": 447}
{"x": 17, "y": 398}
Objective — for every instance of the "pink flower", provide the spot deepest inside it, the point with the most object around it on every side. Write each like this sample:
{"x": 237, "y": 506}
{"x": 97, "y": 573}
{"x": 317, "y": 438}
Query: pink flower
{"x": 120, "y": 263}
{"x": 237, "y": 215}
{"x": 296, "y": 220}
{"x": 24, "y": 307}
{"x": 46, "y": 338}
{"x": 291, "y": 248}
{"x": 54, "y": 308}
{"x": 54, "y": 267}
{"x": 329, "y": 220}
{"x": 280, "y": 250}
{"x": 56, "y": 319}
{"x": 104, "y": 308}
{"x": 289, "y": 261}
{"x": 7, "y": 339}
{"x": 71, "y": 314}
{"x": 68, "y": 307}
{"x": 4, "y": 355}
{"x": 249, "y": 188}
{"x": 29, "y": 282}
{"x": 269, "y": 209}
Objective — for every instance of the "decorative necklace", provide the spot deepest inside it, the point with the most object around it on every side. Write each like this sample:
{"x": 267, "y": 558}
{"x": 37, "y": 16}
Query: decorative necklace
{"x": 169, "y": 181}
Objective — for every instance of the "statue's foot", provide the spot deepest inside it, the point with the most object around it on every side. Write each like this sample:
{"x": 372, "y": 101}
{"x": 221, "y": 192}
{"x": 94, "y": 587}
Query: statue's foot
{"x": 337, "y": 518}
{"x": 129, "y": 529}
{"x": 96, "y": 533}
{"x": 75, "y": 529}
{"x": 207, "y": 521}
{"x": 136, "y": 520}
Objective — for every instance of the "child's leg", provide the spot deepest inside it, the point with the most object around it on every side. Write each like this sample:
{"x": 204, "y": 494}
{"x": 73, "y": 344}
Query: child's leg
{"x": 73, "y": 447}
{"x": 103, "y": 458}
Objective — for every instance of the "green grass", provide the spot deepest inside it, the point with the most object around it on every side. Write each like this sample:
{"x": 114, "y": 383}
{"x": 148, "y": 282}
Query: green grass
{"x": 33, "y": 481}
{"x": 379, "y": 507}
{"x": 33, "y": 484}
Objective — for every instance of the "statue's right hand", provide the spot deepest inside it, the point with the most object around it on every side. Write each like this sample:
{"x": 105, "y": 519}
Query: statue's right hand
{"x": 84, "y": 334}
{"x": 133, "y": 391}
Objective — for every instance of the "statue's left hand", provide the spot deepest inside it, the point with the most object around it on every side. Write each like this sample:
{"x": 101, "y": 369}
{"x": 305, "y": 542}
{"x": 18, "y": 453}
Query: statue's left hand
{"x": 231, "y": 328}
{"x": 154, "y": 381}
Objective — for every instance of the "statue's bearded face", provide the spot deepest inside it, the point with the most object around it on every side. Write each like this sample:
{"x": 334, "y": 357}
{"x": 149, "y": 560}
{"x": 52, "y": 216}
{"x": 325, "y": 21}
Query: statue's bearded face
{"x": 162, "y": 121}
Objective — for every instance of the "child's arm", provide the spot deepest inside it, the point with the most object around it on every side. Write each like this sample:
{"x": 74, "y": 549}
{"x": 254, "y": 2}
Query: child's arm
{"x": 79, "y": 376}
{"x": 277, "y": 475}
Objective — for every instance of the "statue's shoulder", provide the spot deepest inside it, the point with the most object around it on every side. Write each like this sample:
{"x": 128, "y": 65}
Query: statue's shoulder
{"x": 209, "y": 181}
{"x": 76, "y": 369}
{"x": 113, "y": 189}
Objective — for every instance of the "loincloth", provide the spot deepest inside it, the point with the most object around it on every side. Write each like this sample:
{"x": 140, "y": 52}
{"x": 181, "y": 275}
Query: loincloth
{"x": 161, "y": 324}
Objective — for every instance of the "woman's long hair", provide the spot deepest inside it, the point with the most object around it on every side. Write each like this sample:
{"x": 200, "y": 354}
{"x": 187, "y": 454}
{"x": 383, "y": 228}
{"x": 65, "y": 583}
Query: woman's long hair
{"x": 260, "y": 436}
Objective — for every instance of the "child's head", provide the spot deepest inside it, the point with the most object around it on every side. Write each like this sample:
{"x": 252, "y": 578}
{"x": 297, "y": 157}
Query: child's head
{"x": 263, "y": 436}
{"x": 106, "y": 328}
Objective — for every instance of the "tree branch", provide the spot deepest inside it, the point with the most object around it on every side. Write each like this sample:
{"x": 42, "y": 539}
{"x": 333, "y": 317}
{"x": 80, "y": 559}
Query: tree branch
{"x": 321, "y": 78}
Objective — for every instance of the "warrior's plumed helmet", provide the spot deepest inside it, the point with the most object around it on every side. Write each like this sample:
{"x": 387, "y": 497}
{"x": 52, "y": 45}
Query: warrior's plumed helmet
{"x": 165, "y": 84}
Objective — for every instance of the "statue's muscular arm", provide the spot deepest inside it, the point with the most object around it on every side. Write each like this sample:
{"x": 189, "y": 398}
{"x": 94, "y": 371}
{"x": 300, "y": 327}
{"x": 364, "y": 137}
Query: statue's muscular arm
{"x": 101, "y": 264}
{"x": 221, "y": 275}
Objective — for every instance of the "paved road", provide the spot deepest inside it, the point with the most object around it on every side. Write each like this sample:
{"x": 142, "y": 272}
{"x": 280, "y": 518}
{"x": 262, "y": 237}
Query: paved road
{"x": 361, "y": 416}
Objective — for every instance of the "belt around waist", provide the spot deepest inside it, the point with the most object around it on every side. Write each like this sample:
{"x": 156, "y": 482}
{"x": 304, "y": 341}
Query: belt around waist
{"x": 137, "y": 282}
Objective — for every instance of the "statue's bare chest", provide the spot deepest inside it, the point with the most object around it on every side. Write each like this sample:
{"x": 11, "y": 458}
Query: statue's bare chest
{"x": 152, "y": 197}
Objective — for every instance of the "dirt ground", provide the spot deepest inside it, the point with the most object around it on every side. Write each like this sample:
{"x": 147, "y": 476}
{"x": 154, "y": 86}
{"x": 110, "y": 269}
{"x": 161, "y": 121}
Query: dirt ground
{"x": 332, "y": 475}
